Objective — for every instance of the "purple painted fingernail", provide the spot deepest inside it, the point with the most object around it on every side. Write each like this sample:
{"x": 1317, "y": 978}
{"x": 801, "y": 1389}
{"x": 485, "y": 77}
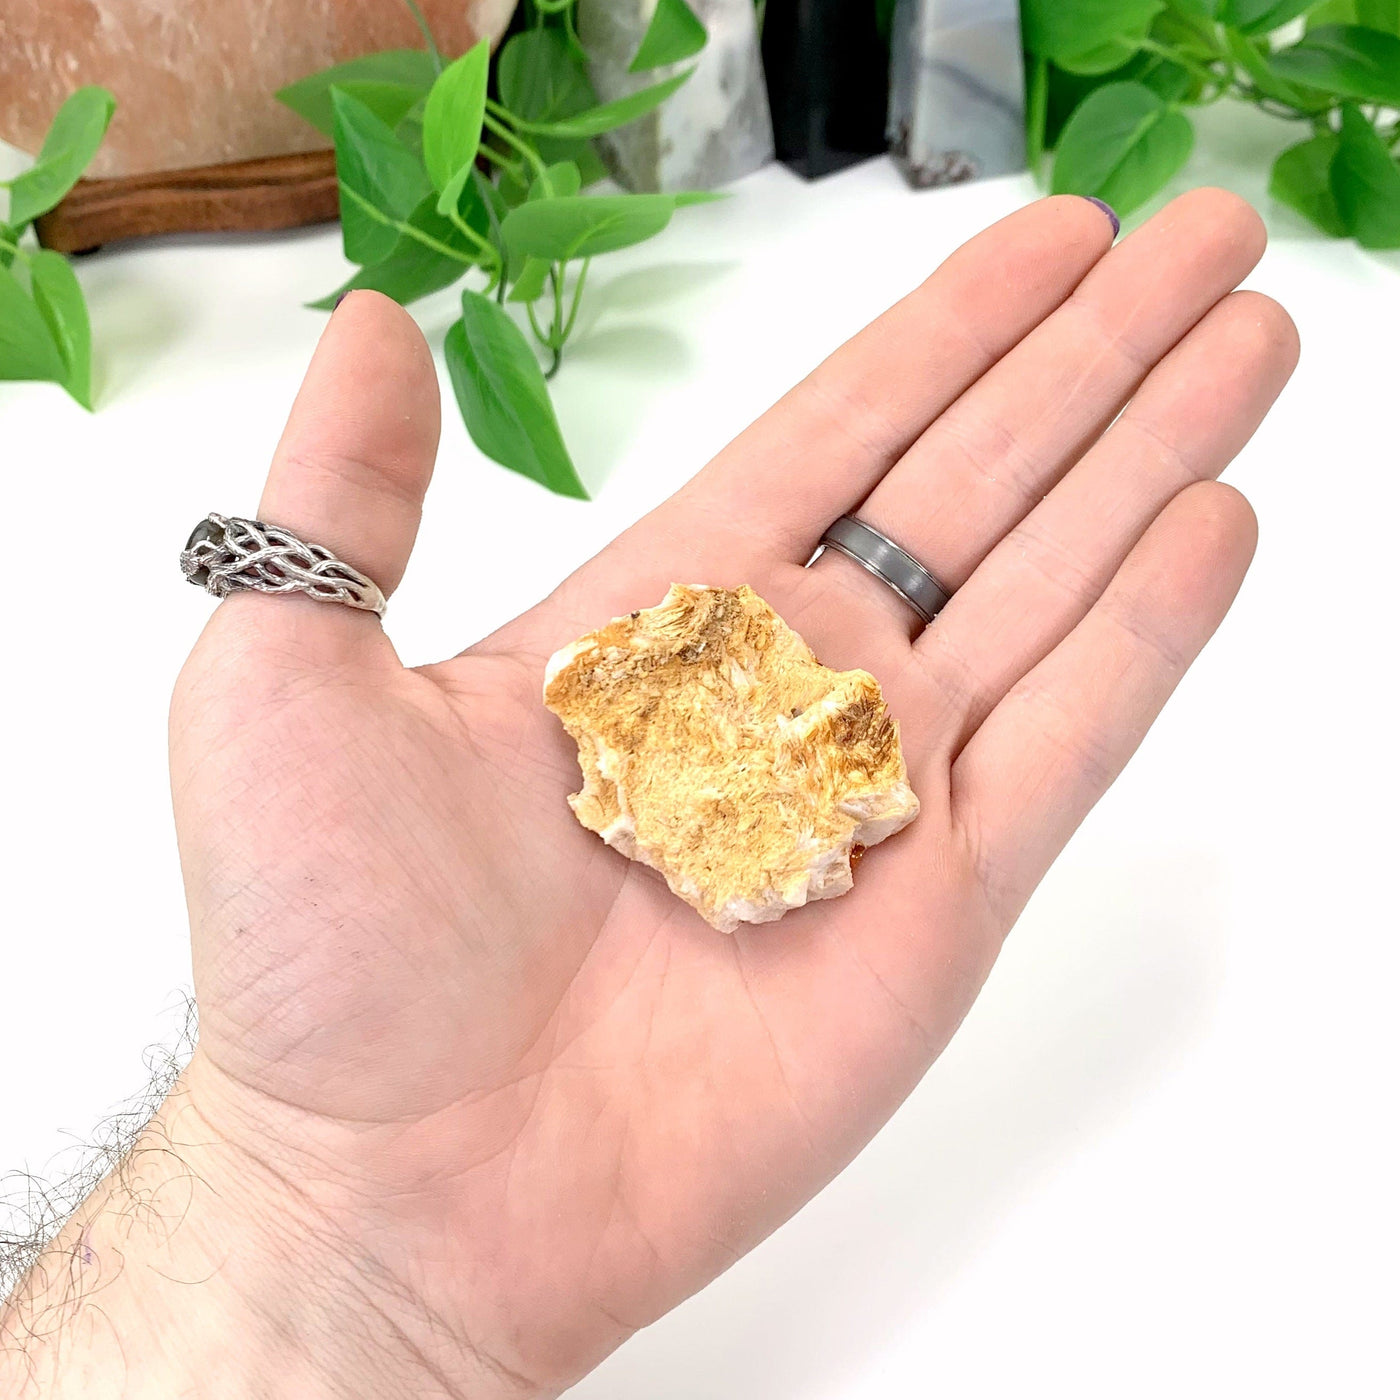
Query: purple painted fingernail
{"x": 343, "y": 295}
{"x": 1107, "y": 209}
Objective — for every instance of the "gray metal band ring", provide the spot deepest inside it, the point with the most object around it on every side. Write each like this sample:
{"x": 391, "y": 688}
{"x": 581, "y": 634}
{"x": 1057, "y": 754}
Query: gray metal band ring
{"x": 893, "y": 566}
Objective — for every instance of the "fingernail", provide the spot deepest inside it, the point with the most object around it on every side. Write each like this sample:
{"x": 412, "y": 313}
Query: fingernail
{"x": 343, "y": 295}
{"x": 1107, "y": 209}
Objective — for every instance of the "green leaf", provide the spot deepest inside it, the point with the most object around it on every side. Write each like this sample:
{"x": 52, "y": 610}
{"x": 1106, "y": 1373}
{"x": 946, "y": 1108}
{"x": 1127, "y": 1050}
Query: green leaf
{"x": 412, "y": 268}
{"x": 72, "y": 141}
{"x": 559, "y": 181}
{"x": 426, "y": 30}
{"x": 1379, "y": 14}
{"x": 1267, "y": 83}
{"x": 582, "y": 227}
{"x": 377, "y": 173}
{"x": 27, "y": 350}
{"x": 540, "y": 79}
{"x": 1346, "y": 60}
{"x": 452, "y": 119}
{"x": 409, "y": 127}
{"x": 529, "y": 286}
{"x": 594, "y": 121}
{"x": 1374, "y": 14}
{"x": 390, "y": 102}
{"x": 1168, "y": 80}
{"x": 1301, "y": 179}
{"x": 1366, "y": 184}
{"x": 310, "y": 97}
{"x": 1198, "y": 9}
{"x": 1087, "y": 36}
{"x": 59, "y": 298}
{"x": 1262, "y": 16}
{"x": 1037, "y": 104}
{"x": 1122, "y": 144}
{"x": 504, "y": 399}
{"x": 674, "y": 34}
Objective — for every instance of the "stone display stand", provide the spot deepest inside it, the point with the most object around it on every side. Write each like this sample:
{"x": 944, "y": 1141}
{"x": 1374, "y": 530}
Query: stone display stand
{"x": 240, "y": 196}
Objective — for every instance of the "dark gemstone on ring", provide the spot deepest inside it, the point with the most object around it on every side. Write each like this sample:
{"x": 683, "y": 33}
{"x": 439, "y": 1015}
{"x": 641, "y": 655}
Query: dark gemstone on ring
{"x": 206, "y": 530}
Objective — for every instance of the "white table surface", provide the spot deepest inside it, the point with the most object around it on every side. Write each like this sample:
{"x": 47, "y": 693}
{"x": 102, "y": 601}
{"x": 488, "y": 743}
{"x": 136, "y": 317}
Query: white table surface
{"x": 1160, "y": 1159}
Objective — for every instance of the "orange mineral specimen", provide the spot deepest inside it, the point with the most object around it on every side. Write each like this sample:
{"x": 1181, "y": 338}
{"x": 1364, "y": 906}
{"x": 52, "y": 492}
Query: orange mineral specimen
{"x": 718, "y": 750}
{"x": 194, "y": 79}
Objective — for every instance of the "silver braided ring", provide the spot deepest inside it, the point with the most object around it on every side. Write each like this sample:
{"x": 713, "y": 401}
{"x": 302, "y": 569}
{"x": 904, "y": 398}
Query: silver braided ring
{"x": 894, "y": 567}
{"x": 226, "y": 553}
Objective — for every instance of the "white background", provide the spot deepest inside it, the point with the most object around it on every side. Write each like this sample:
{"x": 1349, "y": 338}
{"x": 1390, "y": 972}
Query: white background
{"x": 1160, "y": 1159}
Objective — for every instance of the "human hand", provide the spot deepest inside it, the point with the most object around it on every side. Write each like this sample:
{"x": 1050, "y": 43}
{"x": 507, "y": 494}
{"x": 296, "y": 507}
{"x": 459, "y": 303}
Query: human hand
{"x": 497, "y": 1082}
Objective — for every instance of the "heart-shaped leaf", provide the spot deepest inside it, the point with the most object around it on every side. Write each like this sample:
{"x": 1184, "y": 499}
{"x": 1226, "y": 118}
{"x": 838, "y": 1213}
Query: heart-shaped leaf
{"x": 1366, "y": 184}
{"x": 675, "y": 33}
{"x": 1346, "y": 60}
{"x": 414, "y": 267}
{"x": 59, "y": 298}
{"x": 453, "y": 116}
{"x": 381, "y": 180}
{"x": 1122, "y": 144}
{"x": 594, "y": 121}
{"x": 582, "y": 227}
{"x": 1262, "y": 16}
{"x": 72, "y": 141}
{"x": 27, "y": 350}
{"x": 310, "y": 97}
{"x": 1088, "y": 36}
{"x": 1302, "y": 179}
{"x": 540, "y": 78}
{"x": 503, "y": 397}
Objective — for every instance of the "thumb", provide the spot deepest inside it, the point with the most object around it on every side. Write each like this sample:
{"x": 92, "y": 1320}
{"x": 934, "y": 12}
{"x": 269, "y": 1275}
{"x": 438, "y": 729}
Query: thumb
{"x": 349, "y": 473}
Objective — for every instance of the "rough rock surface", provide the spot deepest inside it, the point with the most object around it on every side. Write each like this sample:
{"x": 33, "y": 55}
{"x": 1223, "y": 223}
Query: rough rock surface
{"x": 194, "y": 80}
{"x": 718, "y": 750}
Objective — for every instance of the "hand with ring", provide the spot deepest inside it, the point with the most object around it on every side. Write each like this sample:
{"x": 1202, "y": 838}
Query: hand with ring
{"x": 474, "y": 1096}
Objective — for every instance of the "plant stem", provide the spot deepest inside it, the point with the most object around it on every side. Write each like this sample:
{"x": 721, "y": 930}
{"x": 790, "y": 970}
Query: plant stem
{"x": 486, "y": 190}
{"x": 472, "y": 236}
{"x": 578, "y": 295}
{"x": 1206, "y": 75}
{"x": 1271, "y": 105}
{"x": 503, "y": 161}
{"x": 556, "y": 322}
{"x": 535, "y": 325}
{"x": 500, "y": 129}
{"x": 15, "y": 249}
{"x": 426, "y": 29}
{"x": 426, "y": 239}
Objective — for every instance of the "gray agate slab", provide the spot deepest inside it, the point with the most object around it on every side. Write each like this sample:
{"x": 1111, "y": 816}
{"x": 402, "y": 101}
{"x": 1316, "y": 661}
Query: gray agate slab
{"x": 957, "y": 90}
{"x": 714, "y": 129}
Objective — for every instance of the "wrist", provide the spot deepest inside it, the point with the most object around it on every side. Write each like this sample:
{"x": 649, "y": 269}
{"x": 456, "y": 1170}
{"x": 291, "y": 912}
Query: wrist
{"x": 196, "y": 1269}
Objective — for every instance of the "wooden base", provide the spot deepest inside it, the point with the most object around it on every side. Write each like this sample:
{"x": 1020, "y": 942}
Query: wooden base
{"x": 243, "y": 196}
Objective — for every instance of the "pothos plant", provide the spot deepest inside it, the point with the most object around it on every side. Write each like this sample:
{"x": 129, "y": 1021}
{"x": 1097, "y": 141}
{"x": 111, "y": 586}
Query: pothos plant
{"x": 1109, "y": 83}
{"x": 477, "y": 169}
{"x": 44, "y": 328}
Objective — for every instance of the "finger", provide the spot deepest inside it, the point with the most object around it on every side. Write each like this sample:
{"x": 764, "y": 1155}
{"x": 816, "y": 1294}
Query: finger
{"x": 357, "y": 453}
{"x": 1196, "y": 410}
{"x": 996, "y": 451}
{"x": 1050, "y": 749}
{"x": 819, "y": 450}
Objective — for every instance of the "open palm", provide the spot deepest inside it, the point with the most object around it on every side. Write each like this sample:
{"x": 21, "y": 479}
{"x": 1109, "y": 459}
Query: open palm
{"x": 538, "y": 1098}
